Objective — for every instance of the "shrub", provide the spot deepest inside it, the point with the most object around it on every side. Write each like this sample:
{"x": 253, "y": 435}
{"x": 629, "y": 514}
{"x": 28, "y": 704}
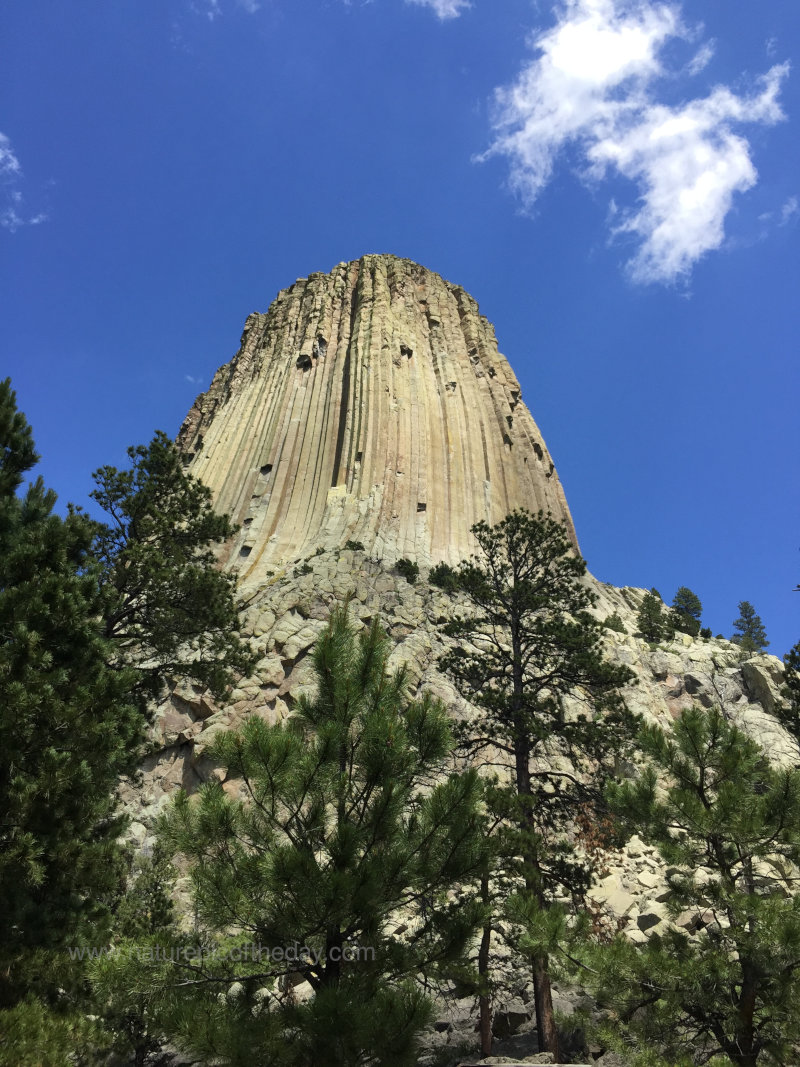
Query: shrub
{"x": 684, "y": 623}
{"x": 444, "y": 576}
{"x": 407, "y": 569}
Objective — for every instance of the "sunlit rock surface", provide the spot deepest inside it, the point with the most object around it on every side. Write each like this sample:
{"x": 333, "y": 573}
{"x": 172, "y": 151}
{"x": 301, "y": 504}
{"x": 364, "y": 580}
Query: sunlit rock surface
{"x": 370, "y": 404}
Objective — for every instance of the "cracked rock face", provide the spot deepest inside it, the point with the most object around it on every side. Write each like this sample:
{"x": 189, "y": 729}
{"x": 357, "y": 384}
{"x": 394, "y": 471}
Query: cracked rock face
{"x": 370, "y": 404}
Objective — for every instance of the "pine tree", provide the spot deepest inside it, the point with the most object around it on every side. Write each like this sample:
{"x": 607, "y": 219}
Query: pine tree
{"x": 528, "y": 644}
{"x": 168, "y": 608}
{"x": 342, "y": 853}
{"x": 728, "y": 824}
{"x": 92, "y": 618}
{"x": 687, "y": 611}
{"x": 789, "y": 711}
{"x": 144, "y": 920}
{"x": 652, "y": 624}
{"x": 68, "y": 730}
{"x": 749, "y": 634}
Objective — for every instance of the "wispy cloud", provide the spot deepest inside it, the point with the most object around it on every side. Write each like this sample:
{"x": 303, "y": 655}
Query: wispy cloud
{"x": 701, "y": 58}
{"x": 445, "y": 9}
{"x": 212, "y": 9}
{"x": 9, "y": 164}
{"x": 591, "y": 88}
{"x": 209, "y": 8}
{"x": 790, "y": 210}
{"x": 13, "y": 212}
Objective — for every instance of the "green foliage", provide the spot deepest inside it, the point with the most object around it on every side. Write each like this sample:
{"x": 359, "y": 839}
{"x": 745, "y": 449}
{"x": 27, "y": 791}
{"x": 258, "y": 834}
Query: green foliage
{"x": 652, "y": 623}
{"x": 529, "y": 642}
{"x": 686, "y": 612}
{"x": 92, "y": 618}
{"x": 129, "y": 1003}
{"x": 548, "y": 930}
{"x": 168, "y": 609}
{"x": 147, "y": 906}
{"x": 445, "y": 577}
{"x": 685, "y": 602}
{"x": 306, "y": 568}
{"x": 729, "y": 826}
{"x": 354, "y": 546}
{"x": 705, "y": 633}
{"x": 348, "y": 827}
{"x": 749, "y": 633}
{"x": 33, "y": 1034}
{"x": 789, "y": 711}
{"x": 68, "y": 730}
{"x": 685, "y": 624}
{"x": 407, "y": 569}
{"x": 614, "y": 622}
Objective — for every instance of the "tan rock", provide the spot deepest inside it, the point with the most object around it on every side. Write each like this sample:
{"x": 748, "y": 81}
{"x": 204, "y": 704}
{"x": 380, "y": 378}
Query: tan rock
{"x": 370, "y": 404}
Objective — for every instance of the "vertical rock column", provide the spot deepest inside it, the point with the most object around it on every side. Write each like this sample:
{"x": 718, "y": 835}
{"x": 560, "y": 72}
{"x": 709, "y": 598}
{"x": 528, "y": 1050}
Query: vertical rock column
{"x": 369, "y": 404}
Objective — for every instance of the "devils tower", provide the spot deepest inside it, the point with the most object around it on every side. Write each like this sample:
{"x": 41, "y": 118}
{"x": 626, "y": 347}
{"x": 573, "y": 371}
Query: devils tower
{"x": 368, "y": 405}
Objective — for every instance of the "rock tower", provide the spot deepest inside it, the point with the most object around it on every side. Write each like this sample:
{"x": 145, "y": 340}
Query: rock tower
{"x": 368, "y": 405}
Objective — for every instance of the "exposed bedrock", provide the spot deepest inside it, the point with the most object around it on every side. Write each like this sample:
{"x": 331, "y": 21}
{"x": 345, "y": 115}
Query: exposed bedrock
{"x": 370, "y": 404}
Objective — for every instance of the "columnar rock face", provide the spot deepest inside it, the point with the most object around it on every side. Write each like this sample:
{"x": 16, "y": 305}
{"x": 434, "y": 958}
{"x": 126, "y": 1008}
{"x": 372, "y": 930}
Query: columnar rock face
{"x": 370, "y": 404}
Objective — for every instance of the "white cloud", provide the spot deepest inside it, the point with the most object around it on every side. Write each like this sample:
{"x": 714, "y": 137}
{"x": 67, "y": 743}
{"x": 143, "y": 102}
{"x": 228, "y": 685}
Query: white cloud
{"x": 212, "y": 9}
{"x": 12, "y": 204}
{"x": 445, "y": 9}
{"x": 9, "y": 164}
{"x": 591, "y": 88}
{"x": 701, "y": 58}
{"x": 790, "y": 210}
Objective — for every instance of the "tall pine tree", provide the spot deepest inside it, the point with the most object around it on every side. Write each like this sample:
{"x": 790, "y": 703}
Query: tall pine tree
{"x": 728, "y": 825}
{"x": 94, "y": 619}
{"x": 651, "y": 622}
{"x": 68, "y": 728}
{"x": 687, "y": 611}
{"x": 168, "y": 609}
{"x": 749, "y": 633}
{"x": 527, "y": 643}
{"x": 789, "y": 711}
{"x": 336, "y": 864}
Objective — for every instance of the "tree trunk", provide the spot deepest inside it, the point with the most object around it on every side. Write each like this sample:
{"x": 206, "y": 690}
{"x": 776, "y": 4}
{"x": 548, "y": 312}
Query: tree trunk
{"x": 745, "y": 1030}
{"x": 543, "y": 997}
{"x": 484, "y": 999}
{"x": 545, "y": 1017}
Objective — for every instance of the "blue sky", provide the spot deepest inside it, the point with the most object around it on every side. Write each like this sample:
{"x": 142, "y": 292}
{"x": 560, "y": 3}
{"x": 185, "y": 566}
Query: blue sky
{"x": 617, "y": 183}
